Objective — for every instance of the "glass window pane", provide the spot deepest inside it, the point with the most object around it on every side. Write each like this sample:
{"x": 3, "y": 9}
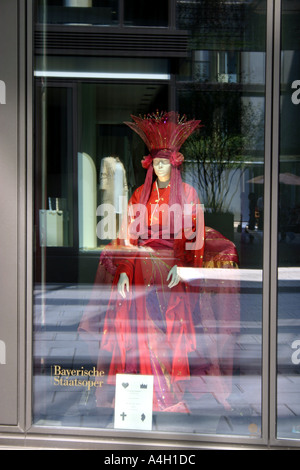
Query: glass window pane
{"x": 226, "y": 164}
{"x": 190, "y": 327}
{"x": 288, "y": 422}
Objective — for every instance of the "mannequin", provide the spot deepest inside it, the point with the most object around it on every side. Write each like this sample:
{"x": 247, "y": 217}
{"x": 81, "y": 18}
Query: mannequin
{"x": 113, "y": 185}
{"x": 162, "y": 169}
{"x": 146, "y": 282}
{"x": 149, "y": 325}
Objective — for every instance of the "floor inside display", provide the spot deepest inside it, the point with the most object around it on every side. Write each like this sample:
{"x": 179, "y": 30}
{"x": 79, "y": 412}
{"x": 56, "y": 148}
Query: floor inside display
{"x": 57, "y": 313}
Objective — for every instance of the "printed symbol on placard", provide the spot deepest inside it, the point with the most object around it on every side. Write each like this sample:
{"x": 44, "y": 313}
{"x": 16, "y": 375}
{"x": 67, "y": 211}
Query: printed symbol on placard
{"x": 125, "y": 385}
{"x": 123, "y": 416}
{"x": 143, "y": 417}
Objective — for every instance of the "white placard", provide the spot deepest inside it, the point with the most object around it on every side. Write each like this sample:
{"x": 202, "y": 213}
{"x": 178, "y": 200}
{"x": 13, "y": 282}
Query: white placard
{"x": 134, "y": 402}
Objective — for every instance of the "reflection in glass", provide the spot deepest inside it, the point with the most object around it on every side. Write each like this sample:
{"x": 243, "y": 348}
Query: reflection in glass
{"x": 222, "y": 82}
{"x": 288, "y": 422}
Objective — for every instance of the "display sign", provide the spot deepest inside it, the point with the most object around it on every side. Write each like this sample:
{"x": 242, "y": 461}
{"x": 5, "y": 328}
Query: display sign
{"x": 134, "y": 402}
{"x": 9, "y": 212}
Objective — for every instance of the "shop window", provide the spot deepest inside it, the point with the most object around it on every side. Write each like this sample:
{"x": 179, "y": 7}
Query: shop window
{"x": 148, "y": 324}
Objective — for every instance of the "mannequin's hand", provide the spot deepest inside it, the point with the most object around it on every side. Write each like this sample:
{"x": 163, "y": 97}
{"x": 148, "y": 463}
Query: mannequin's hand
{"x": 174, "y": 276}
{"x": 123, "y": 285}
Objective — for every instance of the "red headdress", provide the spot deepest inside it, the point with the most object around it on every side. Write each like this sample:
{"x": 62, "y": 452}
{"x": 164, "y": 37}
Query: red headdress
{"x": 164, "y": 134}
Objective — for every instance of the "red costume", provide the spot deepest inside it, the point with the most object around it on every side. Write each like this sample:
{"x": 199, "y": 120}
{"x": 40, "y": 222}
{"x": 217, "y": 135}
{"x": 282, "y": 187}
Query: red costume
{"x": 153, "y": 330}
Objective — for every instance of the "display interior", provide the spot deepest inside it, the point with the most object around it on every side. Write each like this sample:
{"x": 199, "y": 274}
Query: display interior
{"x": 153, "y": 322}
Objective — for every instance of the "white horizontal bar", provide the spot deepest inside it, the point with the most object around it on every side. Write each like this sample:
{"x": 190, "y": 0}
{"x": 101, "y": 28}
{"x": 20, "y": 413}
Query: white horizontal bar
{"x": 243, "y": 275}
{"x": 189, "y": 274}
{"x": 103, "y": 75}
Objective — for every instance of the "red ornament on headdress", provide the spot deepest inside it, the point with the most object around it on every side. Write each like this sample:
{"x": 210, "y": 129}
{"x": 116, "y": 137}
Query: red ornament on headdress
{"x": 164, "y": 134}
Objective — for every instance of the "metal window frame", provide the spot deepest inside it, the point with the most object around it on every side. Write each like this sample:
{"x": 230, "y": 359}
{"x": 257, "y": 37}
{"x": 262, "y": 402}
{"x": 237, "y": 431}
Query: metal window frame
{"x": 276, "y": 80}
{"x": 274, "y": 440}
{"x": 30, "y": 436}
{"x": 9, "y": 207}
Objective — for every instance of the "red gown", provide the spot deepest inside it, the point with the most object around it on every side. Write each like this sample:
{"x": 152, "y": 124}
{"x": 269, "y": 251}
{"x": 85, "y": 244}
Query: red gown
{"x": 153, "y": 330}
